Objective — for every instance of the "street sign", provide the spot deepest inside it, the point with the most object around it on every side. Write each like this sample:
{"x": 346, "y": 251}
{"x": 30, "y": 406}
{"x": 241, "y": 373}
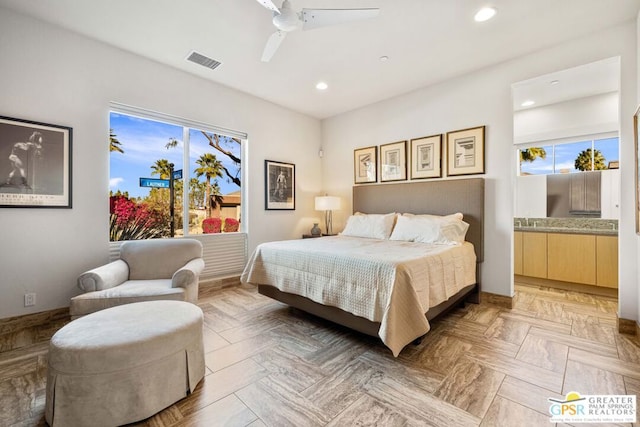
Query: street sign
{"x": 177, "y": 174}
{"x": 154, "y": 182}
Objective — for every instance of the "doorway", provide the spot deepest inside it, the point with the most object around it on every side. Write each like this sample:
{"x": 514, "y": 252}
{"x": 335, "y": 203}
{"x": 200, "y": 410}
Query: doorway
{"x": 567, "y": 181}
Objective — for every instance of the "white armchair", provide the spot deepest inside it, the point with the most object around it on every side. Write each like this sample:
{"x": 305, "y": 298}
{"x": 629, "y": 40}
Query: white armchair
{"x": 158, "y": 269}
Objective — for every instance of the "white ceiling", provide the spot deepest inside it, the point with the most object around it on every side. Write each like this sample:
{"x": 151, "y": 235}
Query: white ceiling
{"x": 578, "y": 82}
{"x": 427, "y": 41}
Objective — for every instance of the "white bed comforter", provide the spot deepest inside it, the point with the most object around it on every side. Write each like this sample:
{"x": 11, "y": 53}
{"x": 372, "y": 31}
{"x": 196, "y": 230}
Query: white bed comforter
{"x": 390, "y": 282}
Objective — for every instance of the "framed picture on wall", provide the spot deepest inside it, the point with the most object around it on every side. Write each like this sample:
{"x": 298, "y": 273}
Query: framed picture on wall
{"x": 365, "y": 162}
{"x": 465, "y": 151}
{"x": 426, "y": 157}
{"x": 35, "y": 164}
{"x": 280, "y": 185}
{"x": 393, "y": 161}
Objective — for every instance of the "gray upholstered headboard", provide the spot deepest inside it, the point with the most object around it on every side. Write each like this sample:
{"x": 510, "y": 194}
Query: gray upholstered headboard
{"x": 430, "y": 197}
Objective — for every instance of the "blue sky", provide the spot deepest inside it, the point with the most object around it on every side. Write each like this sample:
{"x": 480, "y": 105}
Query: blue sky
{"x": 566, "y": 155}
{"x": 143, "y": 142}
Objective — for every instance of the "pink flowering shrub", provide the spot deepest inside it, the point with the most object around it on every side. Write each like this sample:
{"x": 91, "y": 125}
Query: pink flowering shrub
{"x": 130, "y": 220}
{"x": 231, "y": 225}
{"x": 211, "y": 225}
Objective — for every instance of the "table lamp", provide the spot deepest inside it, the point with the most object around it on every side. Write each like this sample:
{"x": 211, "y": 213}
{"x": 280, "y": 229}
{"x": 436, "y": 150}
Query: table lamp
{"x": 327, "y": 204}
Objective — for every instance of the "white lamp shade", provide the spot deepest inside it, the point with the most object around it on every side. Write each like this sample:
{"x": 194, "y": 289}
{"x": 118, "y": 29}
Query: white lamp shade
{"x": 327, "y": 203}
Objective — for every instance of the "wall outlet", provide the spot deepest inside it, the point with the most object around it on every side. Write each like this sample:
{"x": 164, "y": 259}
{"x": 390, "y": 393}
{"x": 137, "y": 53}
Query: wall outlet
{"x": 29, "y": 300}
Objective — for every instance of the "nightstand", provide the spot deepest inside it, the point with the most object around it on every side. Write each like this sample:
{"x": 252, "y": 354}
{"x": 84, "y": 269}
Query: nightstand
{"x": 312, "y": 236}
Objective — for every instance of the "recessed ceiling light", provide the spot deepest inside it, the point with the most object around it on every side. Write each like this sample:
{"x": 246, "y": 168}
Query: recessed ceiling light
{"x": 485, "y": 14}
{"x": 384, "y": 58}
{"x": 527, "y": 103}
{"x": 321, "y": 86}
{"x": 554, "y": 82}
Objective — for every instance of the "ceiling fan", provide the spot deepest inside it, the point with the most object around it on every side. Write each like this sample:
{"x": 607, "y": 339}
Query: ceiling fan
{"x": 286, "y": 20}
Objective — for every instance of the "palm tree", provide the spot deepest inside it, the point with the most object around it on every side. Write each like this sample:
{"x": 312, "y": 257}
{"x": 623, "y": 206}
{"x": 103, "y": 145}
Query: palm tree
{"x": 215, "y": 197}
{"x": 162, "y": 167}
{"x": 196, "y": 192}
{"x": 114, "y": 144}
{"x": 219, "y": 142}
{"x": 173, "y": 143}
{"x": 210, "y": 167}
{"x": 531, "y": 154}
{"x": 583, "y": 161}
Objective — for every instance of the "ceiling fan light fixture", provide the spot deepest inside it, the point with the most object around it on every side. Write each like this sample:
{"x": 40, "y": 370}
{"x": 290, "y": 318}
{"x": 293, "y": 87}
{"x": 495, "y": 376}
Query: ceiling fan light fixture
{"x": 485, "y": 14}
{"x": 322, "y": 86}
{"x": 287, "y": 20}
{"x": 384, "y": 58}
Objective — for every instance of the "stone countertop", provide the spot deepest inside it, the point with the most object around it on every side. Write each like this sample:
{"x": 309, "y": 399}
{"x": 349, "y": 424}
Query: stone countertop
{"x": 605, "y": 227}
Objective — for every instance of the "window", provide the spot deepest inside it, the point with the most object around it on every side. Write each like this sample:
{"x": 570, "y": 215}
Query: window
{"x": 570, "y": 157}
{"x": 171, "y": 177}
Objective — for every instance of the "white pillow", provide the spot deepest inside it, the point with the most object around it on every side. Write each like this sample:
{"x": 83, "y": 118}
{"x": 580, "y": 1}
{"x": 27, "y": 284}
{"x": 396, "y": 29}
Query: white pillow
{"x": 453, "y": 230}
{"x": 456, "y": 215}
{"x": 372, "y": 226}
{"x": 445, "y": 230}
{"x": 413, "y": 228}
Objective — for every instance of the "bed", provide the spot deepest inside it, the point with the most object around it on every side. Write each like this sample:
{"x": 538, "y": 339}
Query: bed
{"x": 345, "y": 280}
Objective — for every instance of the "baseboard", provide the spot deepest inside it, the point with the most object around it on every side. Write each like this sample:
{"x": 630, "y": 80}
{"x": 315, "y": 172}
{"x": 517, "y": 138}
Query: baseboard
{"x": 495, "y": 299}
{"x": 210, "y": 286}
{"x": 32, "y": 320}
{"x": 627, "y": 326}
{"x": 567, "y": 286}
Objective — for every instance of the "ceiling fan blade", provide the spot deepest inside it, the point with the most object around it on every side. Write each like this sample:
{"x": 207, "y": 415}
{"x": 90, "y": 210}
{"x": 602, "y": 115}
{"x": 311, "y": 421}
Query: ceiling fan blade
{"x": 269, "y": 5}
{"x": 272, "y": 45}
{"x": 315, "y": 18}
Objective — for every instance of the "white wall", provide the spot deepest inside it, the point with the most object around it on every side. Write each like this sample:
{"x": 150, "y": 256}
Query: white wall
{"x": 584, "y": 116}
{"x": 610, "y": 194}
{"x": 54, "y": 76}
{"x": 531, "y": 196}
{"x": 484, "y": 98}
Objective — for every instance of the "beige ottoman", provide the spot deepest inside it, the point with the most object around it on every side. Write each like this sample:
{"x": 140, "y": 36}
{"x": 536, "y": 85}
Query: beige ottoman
{"x": 124, "y": 364}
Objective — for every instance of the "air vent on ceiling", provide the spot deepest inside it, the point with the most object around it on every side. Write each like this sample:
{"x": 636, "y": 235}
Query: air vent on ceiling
{"x": 200, "y": 59}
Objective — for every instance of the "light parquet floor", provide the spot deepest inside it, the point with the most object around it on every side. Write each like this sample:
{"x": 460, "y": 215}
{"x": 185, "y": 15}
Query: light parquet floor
{"x": 270, "y": 365}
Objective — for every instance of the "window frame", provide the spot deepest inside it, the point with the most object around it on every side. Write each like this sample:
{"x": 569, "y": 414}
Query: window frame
{"x": 593, "y": 138}
{"x": 188, "y": 125}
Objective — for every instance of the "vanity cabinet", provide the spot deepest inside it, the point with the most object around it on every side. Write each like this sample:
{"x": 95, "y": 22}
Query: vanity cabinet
{"x": 572, "y": 258}
{"x": 578, "y": 258}
{"x": 534, "y": 254}
{"x": 607, "y": 261}
{"x": 517, "y": 252}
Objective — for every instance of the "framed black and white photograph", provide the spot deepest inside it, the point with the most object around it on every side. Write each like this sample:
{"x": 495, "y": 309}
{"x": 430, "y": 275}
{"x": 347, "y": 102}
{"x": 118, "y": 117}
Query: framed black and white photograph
{"x": 35, "y": 164}
{"x": 465, "y": 151}
{"x": 365, "y": 162}
{"x": 393, "y": 161}
{"x": 426, "y": 157}
{"x": 280, "y": 185}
